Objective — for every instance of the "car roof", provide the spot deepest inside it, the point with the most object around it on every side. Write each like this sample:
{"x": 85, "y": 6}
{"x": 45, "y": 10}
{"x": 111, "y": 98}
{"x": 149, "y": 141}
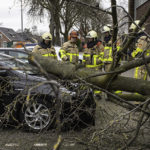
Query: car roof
{"x": 15, "y": 49}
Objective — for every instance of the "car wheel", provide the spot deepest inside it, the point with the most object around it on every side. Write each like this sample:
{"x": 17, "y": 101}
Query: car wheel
{"x": 37, "y": 117}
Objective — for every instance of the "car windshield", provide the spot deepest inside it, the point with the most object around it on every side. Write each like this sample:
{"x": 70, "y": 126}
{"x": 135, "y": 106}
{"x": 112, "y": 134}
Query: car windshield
{"x": 10, "y": 61}
{"x": 17, "y": 53}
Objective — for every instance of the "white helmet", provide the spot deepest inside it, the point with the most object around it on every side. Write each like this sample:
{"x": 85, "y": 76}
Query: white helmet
{"x": 91, "y": 34}
{"x": 133, "y": 26}
{"x": 106, "y": 28}
{"x": 47, "y": 36}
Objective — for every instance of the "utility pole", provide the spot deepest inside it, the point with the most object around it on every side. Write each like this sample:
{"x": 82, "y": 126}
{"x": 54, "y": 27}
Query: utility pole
{"x": 21, "y": 18}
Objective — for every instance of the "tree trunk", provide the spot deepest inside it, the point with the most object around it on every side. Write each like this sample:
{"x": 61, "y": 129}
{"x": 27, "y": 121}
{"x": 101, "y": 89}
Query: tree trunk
{"x": 57, "y": 35}
{"x": 66, "y": 33}
{"x": 52, "y": 28}
{"x": 57, "y": 23}
{"x": 131, "y": 10}
{"x": 66, "y": 70}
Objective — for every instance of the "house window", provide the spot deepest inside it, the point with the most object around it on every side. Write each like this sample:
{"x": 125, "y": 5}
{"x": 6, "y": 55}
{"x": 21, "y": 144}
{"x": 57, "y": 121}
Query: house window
{"x": 4, "y": 44}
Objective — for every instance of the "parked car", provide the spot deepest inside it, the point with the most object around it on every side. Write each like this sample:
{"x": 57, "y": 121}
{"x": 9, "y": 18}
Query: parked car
{"x": 18, "y": 53}
{"x": 21, "y": 53}
{"x": 39, "y": 111}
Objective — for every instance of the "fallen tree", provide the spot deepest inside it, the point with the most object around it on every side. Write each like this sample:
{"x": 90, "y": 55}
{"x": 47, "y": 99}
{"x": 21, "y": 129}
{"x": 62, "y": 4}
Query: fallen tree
{"x": 65, "y": 70}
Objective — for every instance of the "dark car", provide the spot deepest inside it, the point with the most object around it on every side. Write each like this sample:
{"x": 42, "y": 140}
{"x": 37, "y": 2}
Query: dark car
{"x": 28, "y": 98}
{"x": 19, "y": 53}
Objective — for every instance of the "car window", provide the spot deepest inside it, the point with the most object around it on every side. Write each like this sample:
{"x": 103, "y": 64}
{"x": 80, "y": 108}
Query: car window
{"x": 10, "y": 61}
{"x": 15, "y": 54}
{"x": 18, "y": 54}
{"x": 2, "y": 52}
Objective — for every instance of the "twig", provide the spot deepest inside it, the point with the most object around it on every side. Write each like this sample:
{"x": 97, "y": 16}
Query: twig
{"x": 139, "y": 124}
{"x": 58, "y": 143}
{"x": 113, "y": 95}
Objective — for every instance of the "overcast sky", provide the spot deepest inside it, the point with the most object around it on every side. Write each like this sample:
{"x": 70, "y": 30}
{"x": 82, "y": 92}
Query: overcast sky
{"x": 10, "y": 16}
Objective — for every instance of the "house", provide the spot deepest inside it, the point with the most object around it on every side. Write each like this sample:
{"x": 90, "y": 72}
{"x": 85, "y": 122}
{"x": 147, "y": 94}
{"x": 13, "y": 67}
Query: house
{"x": 137, "y": 8}
{"x": 29, "y": 38}
{"x": 8, "y": 37}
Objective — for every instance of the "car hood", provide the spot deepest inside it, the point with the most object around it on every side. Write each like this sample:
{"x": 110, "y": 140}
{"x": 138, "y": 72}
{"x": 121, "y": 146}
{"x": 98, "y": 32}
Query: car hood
{"x": 24, "y": 82}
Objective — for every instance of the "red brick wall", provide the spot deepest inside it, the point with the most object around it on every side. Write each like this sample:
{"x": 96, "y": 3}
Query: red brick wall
{"x": 4, "y": 38}
{"x": 141, "y": 11}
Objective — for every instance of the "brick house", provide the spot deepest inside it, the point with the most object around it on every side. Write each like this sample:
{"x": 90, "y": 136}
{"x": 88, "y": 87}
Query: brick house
{"x": 8, "y": 37}
{"x": 137, "y": 8}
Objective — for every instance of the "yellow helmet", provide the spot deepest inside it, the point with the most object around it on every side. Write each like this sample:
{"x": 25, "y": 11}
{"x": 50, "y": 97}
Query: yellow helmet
{"x": 91, "y": 34}
{"x": 133, "y": 26}
{"x": 47, "y": 36}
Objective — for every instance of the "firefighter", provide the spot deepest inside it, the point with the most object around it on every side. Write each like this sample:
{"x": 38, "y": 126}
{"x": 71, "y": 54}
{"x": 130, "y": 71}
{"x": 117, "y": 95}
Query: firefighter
{"x": 69, "y": 51}
{"x": 92, "y": 57}
{"x": 141, "y": 44}
{"x": 107, "y": 56}
{"x": 45, "y": 47}
{"x": 107, "y": 37}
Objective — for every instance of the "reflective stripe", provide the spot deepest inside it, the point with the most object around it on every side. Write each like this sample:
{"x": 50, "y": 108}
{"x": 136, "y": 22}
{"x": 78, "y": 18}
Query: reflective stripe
{"x": 49, "y": 54}
{"x": 136, "y": 72}
{"x": 72, "y": 54}
{"x": 118, "y": 48}
{"x": 138, "y": 50}
{"x": 106, "y": 47}
{"x": 86, "y": 55}
{"x": 62, "y": 52}
{"x": 97, "y": 92}
{"x": 93, "y": 66}
{"x": 95, "y": 57}
{"x": 118, "y": 92}
{"x": 145, "y": 75}
{"x": 102, "y": 54}
{"x": 107, "y": 59}
{"x": 107, "y": 50}
{"x": 147, "y": 54}
{"x": 94, "y": 60}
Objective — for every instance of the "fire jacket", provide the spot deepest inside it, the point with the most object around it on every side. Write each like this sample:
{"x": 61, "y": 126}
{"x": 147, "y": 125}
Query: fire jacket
{"x": 141, "y": 45}
{"x": 69, "y": 52}
{"x": 92, "y": 57}
{"x": 45, "y": 51}
{"x": 107, "y": 56}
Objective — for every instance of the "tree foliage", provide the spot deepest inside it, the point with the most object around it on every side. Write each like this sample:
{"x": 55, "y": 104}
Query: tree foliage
{"x": 65, "y": 15}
